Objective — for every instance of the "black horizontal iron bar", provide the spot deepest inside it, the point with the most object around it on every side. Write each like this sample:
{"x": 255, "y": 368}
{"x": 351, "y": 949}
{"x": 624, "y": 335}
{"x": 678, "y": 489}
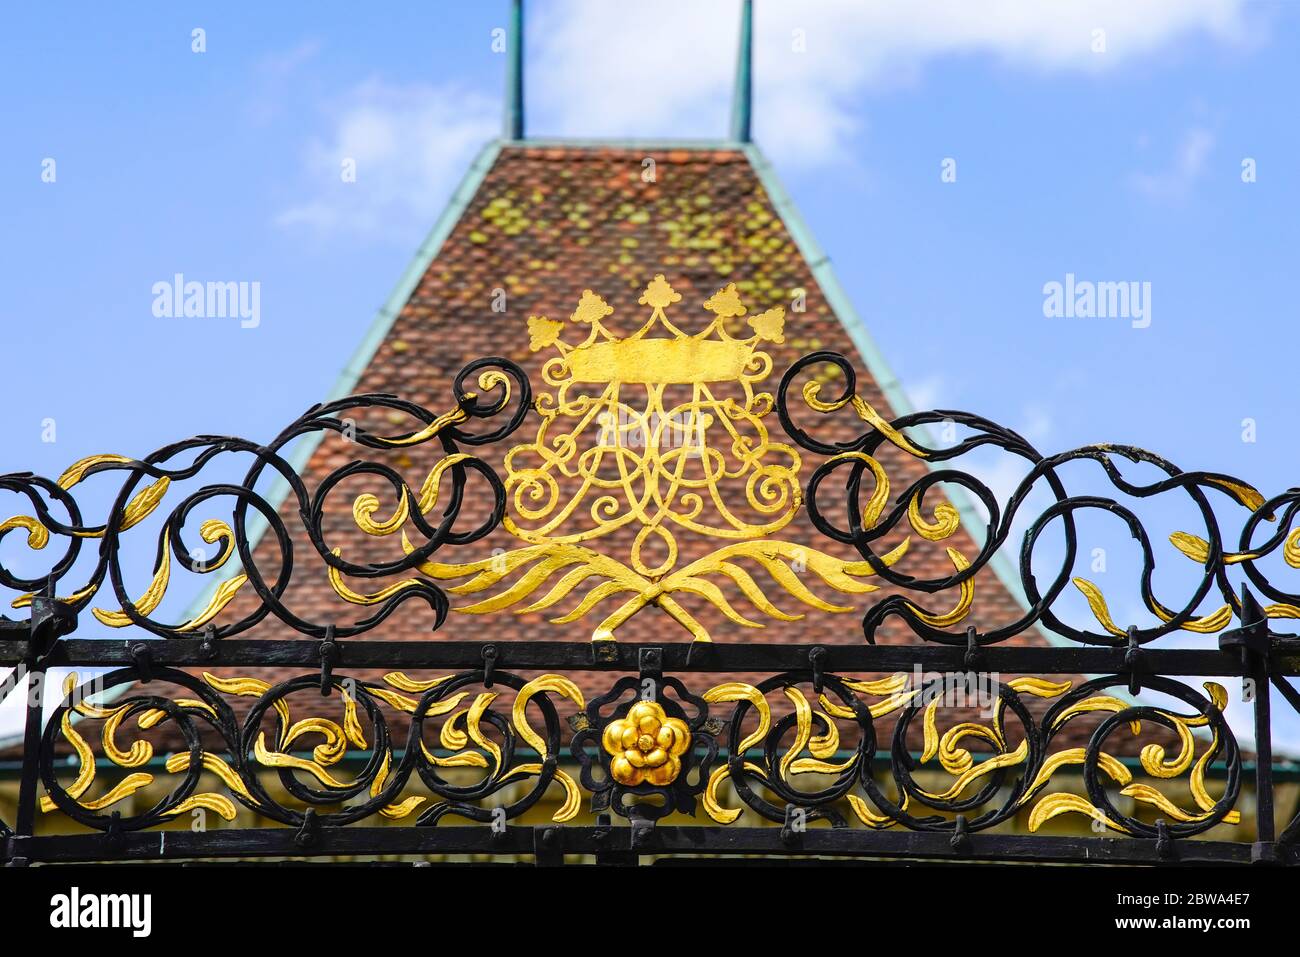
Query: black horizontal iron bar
{"x": 624, "y": 656}
{"x": 588, "y": 840}
{"x": 1284, "y": 769}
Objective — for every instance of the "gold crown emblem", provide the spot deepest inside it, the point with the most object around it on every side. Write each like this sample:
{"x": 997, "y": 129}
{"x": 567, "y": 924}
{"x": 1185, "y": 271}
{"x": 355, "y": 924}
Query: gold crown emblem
{"x": 712, "y": 355}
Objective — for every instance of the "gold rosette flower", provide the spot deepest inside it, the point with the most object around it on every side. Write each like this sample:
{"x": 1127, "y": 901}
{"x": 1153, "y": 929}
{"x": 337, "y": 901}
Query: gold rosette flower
{"x": 646, "y": 745}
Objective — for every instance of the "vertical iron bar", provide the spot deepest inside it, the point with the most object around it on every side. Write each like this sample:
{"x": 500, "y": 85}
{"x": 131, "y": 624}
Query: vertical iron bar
{"x": 1264, "y": 827}
{"x": 26, "y": 823}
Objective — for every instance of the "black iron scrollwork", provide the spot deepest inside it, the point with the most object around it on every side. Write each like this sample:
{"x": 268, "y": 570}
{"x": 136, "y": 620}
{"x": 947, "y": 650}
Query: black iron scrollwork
{"x": 810, "y": 743}
{"x": 434, "y": 511}
{"x": 867, "y": 519}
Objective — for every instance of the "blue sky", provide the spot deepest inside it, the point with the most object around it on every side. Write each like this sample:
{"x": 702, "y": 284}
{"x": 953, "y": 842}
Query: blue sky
{"x": 1118, "y": 164}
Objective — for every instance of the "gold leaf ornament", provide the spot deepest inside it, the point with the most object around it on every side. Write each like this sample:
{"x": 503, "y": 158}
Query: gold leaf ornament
{"x": 770, "y": 325}
{"x": 592, "y": 308}
{"x": 725, "y": 303}
{"x": 658, "y": 295}
{"x": 543, "y": 332}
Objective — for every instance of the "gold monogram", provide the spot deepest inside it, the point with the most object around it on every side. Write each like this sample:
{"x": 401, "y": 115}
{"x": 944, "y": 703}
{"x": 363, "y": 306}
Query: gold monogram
{"x": 661, "y": 432}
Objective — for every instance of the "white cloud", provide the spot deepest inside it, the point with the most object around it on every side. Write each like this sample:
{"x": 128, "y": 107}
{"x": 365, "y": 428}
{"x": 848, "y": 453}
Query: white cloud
{"x": 410, "y": 145}
{"x": 1187, "y": 165}
{"x": 1002, "y": 475}
{"x": 1035, "y": 423}
{"x": 282, "y": 63}
{"x": 594, "y": 71}
{"x": 924, "y": 394}
{"x": 274, "y": 75}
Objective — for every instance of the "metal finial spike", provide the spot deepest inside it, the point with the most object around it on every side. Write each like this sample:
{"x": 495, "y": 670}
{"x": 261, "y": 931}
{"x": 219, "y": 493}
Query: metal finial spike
{"x": 743, "y": 93}
{"x": 514, "y": 101}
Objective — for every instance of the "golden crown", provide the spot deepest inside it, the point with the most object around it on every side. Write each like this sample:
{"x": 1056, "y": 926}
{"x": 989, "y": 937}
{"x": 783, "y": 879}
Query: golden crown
{"x": 713, "y": 355}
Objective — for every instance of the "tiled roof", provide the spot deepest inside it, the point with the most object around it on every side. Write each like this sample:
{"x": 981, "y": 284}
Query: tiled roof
{"x": 545, "y": 224}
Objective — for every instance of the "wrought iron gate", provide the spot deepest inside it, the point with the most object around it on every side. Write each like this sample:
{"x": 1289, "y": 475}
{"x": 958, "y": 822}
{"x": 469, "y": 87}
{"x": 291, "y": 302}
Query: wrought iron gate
{"x": 670, "y": 743}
